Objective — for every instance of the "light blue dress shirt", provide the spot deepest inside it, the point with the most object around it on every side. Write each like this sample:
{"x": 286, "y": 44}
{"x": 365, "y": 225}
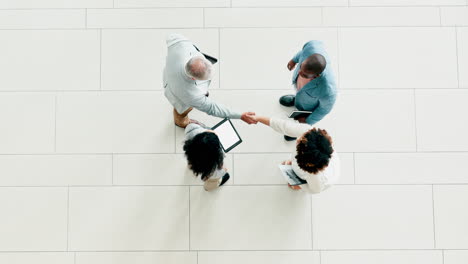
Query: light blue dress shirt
{"x": 319, "y": 95}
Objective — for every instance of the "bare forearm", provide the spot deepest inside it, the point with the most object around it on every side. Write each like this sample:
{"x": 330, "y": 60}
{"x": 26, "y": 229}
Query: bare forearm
{"x": 264, "y": 120}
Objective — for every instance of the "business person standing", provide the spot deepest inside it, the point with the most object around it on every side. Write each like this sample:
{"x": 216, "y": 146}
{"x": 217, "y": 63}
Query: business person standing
{"x": 186, "y": 79}
{"x": 314, "y": 158}
{"x": 205, "y": 156}
{"x": 314, "y": 83}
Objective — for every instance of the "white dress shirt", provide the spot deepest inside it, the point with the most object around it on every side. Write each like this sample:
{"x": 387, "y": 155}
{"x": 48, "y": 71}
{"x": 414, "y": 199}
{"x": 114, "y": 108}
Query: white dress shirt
{"x": 315, "y": 182}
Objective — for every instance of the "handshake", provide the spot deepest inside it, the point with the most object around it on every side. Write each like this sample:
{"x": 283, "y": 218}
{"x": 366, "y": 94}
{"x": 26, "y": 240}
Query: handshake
{"x": 249, "y": 118}
{"x": 252, "y": 118}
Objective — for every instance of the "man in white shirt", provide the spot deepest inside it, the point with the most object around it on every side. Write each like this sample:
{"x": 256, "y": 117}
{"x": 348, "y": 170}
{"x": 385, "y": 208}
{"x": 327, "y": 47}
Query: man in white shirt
{"x": 186, "y": 78}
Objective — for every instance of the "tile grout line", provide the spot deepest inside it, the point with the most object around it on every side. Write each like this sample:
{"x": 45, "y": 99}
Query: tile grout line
{"x": 232, "y": 185}
{"x": 240, "y": 7}
{"x": 86, "y": 17}
{"x": 320, "y": 251}
{"x": 415, "y": 121}
{"x": 456, "y": 52}
{"x": 204, "y": 19}
{"x": 240, "y": 250}
{"x": 354, "y": 168}
{"x": 197, "y": 257}
{"x": 189, "y": 224}
{"x": 100, "y": 59}
{"x": 235, "y": 27}
{"x": 112, "y": 169}
{"x": 243, "y": 153}
{"x": 224, "y": 90}
{"x": 311, "y": 223}
{"x": 74, "y": 258}
{"x": 219, "y": 57}
{"x": 338, "y": 32}
{"x": 321, "y": 16}
{"x": 433, "y": 217}
{"x": 55, "y": 124}
{"x": 443, "y": 256}
{"x": 233, "y": 168}
{"x": 440, "y": 16}
{"x": 68, "y": 217}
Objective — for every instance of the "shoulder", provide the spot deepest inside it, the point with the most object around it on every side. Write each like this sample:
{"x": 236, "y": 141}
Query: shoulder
{"x": 174, "y": 38}
{"x": 333, "y": 172}
{"x": 192, "y": 130}
{"x": 313, "y": 45}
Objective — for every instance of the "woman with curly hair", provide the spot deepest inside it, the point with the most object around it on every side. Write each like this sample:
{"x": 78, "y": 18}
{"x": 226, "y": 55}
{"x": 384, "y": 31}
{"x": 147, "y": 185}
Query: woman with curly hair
{"x": 315, "y": 160}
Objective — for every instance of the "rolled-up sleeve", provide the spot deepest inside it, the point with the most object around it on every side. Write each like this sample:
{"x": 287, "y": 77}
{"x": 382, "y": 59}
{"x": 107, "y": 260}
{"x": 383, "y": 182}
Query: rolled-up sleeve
{"x": 289, "y": 127}
{"x": 297, "y": 57}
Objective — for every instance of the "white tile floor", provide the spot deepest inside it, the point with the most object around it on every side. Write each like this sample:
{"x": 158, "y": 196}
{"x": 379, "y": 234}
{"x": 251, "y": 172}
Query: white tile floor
{"x": 92, "y": 170}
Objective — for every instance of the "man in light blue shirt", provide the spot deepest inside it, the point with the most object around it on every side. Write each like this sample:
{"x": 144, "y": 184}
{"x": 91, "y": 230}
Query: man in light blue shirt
{"x": 314, "y": 82}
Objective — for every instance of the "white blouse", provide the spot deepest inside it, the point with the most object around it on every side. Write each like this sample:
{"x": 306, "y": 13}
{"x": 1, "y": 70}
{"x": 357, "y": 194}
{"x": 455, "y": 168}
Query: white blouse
{"x": 315, "y": 182}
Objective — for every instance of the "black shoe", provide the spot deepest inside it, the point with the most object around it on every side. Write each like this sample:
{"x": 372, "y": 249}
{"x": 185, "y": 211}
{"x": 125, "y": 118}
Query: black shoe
{"x": 288, "y": 138}
{"x": 287, "y": 100}
{"x": 225, "y": 179}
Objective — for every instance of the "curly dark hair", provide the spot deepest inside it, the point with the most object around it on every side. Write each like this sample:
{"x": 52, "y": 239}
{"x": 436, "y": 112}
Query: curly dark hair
{"x": 204, "y": 154}
{"x": 314, "y": 150}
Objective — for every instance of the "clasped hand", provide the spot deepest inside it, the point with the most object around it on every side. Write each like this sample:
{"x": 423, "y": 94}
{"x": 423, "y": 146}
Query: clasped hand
{"x": 249, "y": 118}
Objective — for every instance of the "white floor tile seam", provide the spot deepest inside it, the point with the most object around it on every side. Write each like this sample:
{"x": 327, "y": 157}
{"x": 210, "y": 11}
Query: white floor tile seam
{"x": 55, "y": 122}
{"x": 220, "y": 90}
{"x": 112, "y": 169}
{"x": 458, "y": 59}
{"x": 204, "y": 18}
{"x": 227, "y": 28}
{"x": 68, "y": 218}
{"x": 243, "y": 250}
{"x": 433, "y": 217}
{"x": 86, "y": 18}
{"x": 440, "y": 16}
{"x": 338, "y": 69}
{"x": 415, "y": 119}
{"x": 227, "y": 186}
{"x": 354, "y": 168}
{"x": 100, "y": 59}
{"x": 238, "y": 153}
{"x": 233, "y": 7}
{"x": 243, "y": 153}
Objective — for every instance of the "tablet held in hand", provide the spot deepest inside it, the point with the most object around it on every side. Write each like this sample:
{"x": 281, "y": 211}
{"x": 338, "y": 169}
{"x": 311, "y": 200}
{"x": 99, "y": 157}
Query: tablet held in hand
{"x": 227, "y": 134}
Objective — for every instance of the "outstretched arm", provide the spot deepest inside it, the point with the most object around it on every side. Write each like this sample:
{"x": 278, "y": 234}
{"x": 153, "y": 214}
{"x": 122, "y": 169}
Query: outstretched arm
{"x": 207, "y": 105}
{"x": 285, "y": 127}
{"x": 262, "y": 119}
{"x": 210, "y": 107}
